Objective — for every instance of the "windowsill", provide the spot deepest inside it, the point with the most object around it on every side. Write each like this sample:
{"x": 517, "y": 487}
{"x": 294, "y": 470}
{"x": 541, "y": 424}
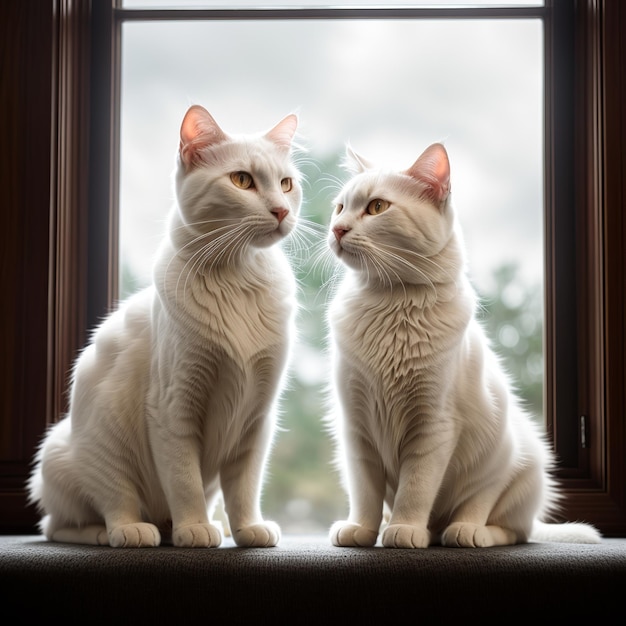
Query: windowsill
{"x": 306, "y": 580}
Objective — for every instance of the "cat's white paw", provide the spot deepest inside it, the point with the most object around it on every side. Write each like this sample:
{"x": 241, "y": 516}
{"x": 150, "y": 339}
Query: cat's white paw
{"x": 140, "y": 535}
{"x": 467, "y": 535}
{"x": 406, "y": 536}
{"x": 196, "y": 536}
{"x": 95, "y": 535}
{"x": 347, "y": 534}
{"x": 264, "y": 535}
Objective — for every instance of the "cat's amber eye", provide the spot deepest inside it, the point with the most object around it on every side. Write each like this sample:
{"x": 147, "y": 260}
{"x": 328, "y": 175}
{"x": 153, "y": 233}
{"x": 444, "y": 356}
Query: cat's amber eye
{"x": 243, "y": 180}
{"x": 377, "y": 206}
{"x": 286, "y": 184}
{"x": 339, "y": 209}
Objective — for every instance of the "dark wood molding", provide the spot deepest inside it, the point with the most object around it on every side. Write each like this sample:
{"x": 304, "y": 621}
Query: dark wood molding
{"x": 70, "y": 196}
{"x": 560, "y": 333}
{"x": 613, "y": 185}
{"x": 26, "y": 39}
{"x": 45, "y": 160}
{"x": 598, "y": 495}
{"x": 104, "y": 127}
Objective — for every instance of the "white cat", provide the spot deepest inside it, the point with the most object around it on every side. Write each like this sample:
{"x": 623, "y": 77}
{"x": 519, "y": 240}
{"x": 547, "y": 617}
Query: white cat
{"x": 173, "y": 398}
{"x": 427, "y": 422}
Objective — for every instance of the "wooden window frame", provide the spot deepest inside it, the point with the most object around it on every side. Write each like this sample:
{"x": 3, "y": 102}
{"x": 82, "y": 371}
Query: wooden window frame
{"x": 75, "y": 259}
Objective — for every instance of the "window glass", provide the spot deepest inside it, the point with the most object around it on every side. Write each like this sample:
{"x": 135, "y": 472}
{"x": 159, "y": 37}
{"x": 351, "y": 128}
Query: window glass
{"x": 390, "y": 88}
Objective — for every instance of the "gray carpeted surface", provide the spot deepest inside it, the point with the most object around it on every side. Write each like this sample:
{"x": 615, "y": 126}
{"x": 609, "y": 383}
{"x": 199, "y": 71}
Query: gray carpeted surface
{"x": 307, "y": 581}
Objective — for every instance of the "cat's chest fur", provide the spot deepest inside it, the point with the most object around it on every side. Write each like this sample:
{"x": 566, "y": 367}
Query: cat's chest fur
{"x": 241, "y": 312}
{"x": 221, "y": 343}
{"x": 397, "y": 335}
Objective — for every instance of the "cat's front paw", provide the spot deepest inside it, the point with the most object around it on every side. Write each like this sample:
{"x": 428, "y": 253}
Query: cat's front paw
{"x": 468, "y": 535}
{"x": 196, "y": 536}
{"x": 348, "y": 534}
{"x": 264, "y": 535}
{"x": 140, "y": 535}
{"x": 406, "y": 536}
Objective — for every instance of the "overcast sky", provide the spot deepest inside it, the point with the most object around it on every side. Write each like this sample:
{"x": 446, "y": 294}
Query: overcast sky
{"x": 389, "y": 87}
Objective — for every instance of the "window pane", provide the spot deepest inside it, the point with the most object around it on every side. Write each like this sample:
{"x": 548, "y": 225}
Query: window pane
{"x": 391, "y": 88}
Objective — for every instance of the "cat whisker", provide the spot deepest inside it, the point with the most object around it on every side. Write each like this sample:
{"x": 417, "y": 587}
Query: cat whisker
{"x": 334, "y": 183}
{"x": 302, "y": 159}
{"x": 369, "y": 257}
{"x": 306, "y": 233}
{"x": 235, "y": 242}
{"x": 388, "y": 250}
{"x": 194, "y": 242}
{"x": 321, "y": 259}
{"x": 363, "y": 260}
{"x": 426, "y": 259}
{"x": 312, "y": 250}
{"x": 214, "y": 249}
{"x": 311, "y": 227}
{"x": 398, "y": 258}
{"x": 301, "y": 162}
{"x": 384, "y": 270}
{"x": 329, "y": 270}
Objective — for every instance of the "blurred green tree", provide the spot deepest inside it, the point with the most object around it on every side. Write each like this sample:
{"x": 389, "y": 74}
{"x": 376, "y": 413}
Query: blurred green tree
{"x": 513, "y": 317}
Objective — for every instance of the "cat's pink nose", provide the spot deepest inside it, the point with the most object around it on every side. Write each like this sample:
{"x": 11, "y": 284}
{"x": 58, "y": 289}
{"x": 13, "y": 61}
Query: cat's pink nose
{"x": 280, "y": 214}
{"x": 340, "y": 232}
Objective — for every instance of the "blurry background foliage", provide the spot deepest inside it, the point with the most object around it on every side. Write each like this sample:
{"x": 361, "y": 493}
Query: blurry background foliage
{"x": 302, "y": 491}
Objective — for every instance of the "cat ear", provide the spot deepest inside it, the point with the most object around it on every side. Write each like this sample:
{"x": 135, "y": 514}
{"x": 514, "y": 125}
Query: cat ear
{"x": 198, "y": 131}
{"x": 433, "y": 169}
{"x": 282, "y": 134}
{"x": 355, "y": 163}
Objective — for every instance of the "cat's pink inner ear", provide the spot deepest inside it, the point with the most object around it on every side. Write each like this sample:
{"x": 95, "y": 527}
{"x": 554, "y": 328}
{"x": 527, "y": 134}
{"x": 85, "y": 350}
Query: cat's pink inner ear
{"x": 198, "y": 131}
{"x": 282, "y": 134}
{"x": 433, "y": 169}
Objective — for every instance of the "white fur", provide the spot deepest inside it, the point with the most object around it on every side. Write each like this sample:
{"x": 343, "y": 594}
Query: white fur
{"x": 426, "y": 422}
{"x": 173, "y": 399}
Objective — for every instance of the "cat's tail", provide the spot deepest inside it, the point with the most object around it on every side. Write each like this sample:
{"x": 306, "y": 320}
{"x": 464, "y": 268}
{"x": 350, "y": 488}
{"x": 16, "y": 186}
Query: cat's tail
{"x": 569, "y": 532}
